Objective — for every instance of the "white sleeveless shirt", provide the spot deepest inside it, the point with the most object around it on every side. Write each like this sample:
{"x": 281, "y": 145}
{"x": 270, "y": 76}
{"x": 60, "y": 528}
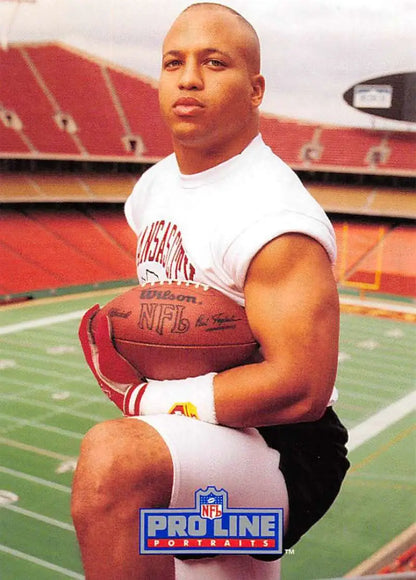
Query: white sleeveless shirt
{"x": 208, "y": 226}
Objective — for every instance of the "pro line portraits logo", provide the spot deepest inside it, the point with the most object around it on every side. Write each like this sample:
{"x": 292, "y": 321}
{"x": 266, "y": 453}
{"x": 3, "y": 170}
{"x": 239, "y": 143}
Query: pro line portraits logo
{"x": 211, "y": 528}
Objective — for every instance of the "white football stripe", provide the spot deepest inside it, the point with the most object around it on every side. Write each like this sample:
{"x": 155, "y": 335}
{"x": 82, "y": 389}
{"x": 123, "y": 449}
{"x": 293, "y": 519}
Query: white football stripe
{"x": 29, "y": 324}
{"x": 34, "y": 479}
{"x": 40, "y": 517}
{"x": 40, "y": 562}
{"x": 383, "y": 305}
{"x": 381, "y": 420}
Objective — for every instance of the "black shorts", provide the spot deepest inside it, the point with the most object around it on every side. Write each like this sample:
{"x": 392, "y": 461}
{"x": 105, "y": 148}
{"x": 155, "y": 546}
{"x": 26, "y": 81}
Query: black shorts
{"x": 313, "y": 460}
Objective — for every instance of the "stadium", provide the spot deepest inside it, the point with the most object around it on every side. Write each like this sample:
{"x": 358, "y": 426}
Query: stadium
{"x": 76, "y": 133}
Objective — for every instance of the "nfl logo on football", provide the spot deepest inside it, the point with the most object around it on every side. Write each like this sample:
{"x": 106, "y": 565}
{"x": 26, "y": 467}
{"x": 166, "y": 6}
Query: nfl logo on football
{"x": 211, "y": 528}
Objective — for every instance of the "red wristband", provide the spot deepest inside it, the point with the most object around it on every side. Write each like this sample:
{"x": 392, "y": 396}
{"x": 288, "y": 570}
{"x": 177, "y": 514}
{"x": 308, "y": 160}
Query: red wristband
{"x": 132, "y": 398}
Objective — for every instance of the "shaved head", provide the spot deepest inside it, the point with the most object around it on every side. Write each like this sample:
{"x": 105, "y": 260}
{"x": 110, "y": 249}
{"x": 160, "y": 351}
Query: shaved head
{"x": 210, "y": 86}
{"x": 252, "y": 44}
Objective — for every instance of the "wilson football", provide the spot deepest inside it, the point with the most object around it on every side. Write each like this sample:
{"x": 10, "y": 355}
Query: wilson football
{"x": 174, "y": 330}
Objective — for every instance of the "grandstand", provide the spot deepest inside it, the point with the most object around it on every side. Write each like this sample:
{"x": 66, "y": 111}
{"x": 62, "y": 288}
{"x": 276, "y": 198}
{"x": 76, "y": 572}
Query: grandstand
{"x": 75, "y": 129}
{"x": 62, "y": 104}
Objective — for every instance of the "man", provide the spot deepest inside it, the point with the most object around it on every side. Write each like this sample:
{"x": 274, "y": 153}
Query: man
{"x": 225, "y": 211}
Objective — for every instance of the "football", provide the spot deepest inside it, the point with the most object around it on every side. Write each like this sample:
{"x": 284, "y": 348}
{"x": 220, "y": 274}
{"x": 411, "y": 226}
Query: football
{"x": 175, "y": 330}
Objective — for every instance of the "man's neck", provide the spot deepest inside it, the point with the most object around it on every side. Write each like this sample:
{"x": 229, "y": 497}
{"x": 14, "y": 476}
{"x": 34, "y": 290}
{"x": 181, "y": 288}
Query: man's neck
{"x": 193, "y": 159}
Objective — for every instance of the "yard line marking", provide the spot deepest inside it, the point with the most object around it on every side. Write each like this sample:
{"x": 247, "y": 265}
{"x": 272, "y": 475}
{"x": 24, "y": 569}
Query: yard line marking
{"x": 62, "y": 377}
{"x": 39, "y": 562}
{"x": 363, "y": 396}
{"x": 68, "y": 410}
{"x": 381, "y": 420}
{"x": 46, "y": 321}
{"x": 21, "y": 423}
{"x": 392, "y": 307}
{"x": 40, "y": 517}
{"x": 30, "y": 387}
{"x": 35, "y": 479}
{"x": 45, "y": 357}
{"x": 32, "y": 449}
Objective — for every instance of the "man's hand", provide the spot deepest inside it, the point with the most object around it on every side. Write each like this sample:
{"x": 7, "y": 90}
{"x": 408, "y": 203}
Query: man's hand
{"x": 115, "y": 375}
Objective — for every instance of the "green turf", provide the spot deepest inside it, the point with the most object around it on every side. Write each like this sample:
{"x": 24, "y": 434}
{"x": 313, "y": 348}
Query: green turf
{"x": 49, "y": 400}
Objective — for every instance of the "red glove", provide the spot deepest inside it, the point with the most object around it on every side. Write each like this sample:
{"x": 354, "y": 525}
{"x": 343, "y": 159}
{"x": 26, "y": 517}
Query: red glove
{"x": 115, "y": 375}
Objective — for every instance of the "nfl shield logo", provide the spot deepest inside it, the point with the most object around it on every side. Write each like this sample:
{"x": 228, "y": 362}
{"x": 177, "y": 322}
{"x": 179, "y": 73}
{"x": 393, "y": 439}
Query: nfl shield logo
{"x": 211, "y": 504}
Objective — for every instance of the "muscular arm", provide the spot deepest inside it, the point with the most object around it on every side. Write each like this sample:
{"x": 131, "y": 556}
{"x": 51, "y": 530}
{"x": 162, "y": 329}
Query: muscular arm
{"x": 292, "y": 306}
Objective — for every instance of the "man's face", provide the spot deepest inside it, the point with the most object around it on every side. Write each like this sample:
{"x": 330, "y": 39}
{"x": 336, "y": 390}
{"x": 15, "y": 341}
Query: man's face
{"x": 209, "y": 90}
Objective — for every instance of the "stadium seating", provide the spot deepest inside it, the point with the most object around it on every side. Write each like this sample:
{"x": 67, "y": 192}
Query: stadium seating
{"x": 396, "y": 203}
{"x": 72, "y": 105}
{"x": 106, "y": 187}
{"x": 20, "y": 275}
{"x": 347, "y": 148}
{"x": 354, "y": 241}
{"x": 62, "y": 104}
{"x": 25, "y": 95}
{"x": 113, "y": 222}
{"x": 325, "y": 148}
{"x": 399, "y": 261}
{"x": 11, "y": 140}
{"x": 288, "y": 139}
{"x": 141, "y": 108}
{"x": 48, "y": 187}
{"x": 49, "y": 248}
{"x": 375, "y": 256}
{"x": 90, "y": 104}
{"x": 402, "y": 152}
{"x": 91, "y": 242}
{"x": 18, "y": 187}
{"x": 104, "y": 111}
{"x": 405, "y": 562}
{"x": 365, "y": 200}
{"x": 52, "y": 247}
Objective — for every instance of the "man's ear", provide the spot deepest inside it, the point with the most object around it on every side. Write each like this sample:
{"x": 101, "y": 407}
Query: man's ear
{"x": 258, "y": 87}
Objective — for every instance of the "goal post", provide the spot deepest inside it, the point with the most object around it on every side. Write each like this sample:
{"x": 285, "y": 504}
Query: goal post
{"x": 345, "y": 247}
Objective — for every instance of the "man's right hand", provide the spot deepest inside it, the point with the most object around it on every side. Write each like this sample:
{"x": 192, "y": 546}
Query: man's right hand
{"x": 115, "y": 375}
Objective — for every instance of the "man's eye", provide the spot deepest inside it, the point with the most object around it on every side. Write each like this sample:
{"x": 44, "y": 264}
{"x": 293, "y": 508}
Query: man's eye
{"x": 172, "y": 63}
{"x": 215, "y": 62}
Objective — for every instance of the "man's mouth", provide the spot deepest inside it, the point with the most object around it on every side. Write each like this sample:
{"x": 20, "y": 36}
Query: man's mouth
{"x": 187, "y": 106}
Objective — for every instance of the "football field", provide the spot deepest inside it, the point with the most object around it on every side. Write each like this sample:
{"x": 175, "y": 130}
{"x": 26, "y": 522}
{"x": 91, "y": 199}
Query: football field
{"x": 49, "y": 400}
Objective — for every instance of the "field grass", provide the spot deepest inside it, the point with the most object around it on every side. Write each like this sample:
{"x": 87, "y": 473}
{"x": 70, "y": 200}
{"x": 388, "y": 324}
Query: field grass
{"x": 49, "y": 400}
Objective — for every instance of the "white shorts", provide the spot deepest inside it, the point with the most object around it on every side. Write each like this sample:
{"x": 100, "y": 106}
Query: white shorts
{"x": 237, "y": 460}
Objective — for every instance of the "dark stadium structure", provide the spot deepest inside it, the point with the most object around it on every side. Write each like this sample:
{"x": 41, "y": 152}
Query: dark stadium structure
{"x": 391, "y": 96}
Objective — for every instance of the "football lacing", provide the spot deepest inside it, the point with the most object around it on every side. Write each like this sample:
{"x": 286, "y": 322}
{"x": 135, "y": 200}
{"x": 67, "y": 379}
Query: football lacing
{"x": 186, "y": 283}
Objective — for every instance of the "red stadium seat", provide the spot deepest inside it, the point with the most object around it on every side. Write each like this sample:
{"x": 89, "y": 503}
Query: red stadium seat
{"x": 75, "y": 106}
{"x": 23, "y": 95}
{"x": 42, "y": 248}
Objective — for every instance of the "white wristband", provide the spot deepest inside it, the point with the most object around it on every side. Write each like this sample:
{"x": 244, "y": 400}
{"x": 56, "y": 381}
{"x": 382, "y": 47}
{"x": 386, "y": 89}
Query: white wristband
{"x": 192, "y": 397}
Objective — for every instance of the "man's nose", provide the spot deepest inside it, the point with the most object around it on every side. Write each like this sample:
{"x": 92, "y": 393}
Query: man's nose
{"x": 191, "y": 78}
